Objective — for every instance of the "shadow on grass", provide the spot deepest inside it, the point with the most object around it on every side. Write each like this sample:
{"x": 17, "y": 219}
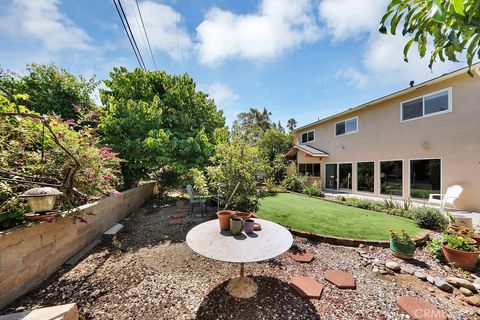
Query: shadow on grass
{"x": 275, "y": 299}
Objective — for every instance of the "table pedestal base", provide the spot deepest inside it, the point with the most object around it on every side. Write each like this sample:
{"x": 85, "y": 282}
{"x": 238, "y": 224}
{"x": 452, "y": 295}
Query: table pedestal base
{"x": 242, "y": 287}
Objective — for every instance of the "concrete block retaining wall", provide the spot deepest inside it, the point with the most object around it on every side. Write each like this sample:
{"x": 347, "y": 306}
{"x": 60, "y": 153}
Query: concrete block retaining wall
{"x": 29, "y": 254}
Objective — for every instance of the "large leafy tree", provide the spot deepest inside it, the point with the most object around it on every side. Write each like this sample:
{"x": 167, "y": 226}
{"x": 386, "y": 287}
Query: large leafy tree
{"x": 454, "y": 26}
{"x": 252, "y": 124}
{"x": 272, "y": 146}
{"x": 159, "y": 123}
{"x": 52, "y": 90}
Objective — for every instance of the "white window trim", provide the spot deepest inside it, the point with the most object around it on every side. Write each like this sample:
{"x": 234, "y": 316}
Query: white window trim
{"x": 380, "y": 178}
{"x": 450, "y": 105}
{"x": 312, "y": 163}
{"x": 338, "y": 172}
{"x": 374, "y": 177}
{"x": 307, "y": 132}
{"x": 410, "y": 171}
{"x": 346, "y": 133}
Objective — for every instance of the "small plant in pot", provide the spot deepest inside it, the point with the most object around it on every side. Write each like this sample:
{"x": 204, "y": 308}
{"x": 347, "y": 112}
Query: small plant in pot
{"x": 460, "y": 251}
{"x": 401, "y": 245}
{"x": 465, "y": 231}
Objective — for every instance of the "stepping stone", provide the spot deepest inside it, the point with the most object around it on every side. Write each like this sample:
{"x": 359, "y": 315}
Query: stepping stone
{"x": 341, "y": 279}
{"x": 420, "y": 309}
{"x": 302, "y": 256}
{"x": 179, "y": 215}
{"x": 307, "y": 287}
{"x": 175, "y": 221}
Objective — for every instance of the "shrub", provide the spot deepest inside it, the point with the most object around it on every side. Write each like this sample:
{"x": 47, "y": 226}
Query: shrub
{"x": 21, "y": 142}
{"x": 435, "y": 249}
{"x": 199, "y": 181}
{"x": 459, "y": 242}
{"x": 343, "y": 199}
{"x": 313, "y": 190}
{"x": 430, "y": 218}
{"x": 294, "y": 182}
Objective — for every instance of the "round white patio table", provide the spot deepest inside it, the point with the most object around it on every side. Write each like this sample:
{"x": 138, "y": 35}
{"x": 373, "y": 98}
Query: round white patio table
{"x": 207, "y": 240}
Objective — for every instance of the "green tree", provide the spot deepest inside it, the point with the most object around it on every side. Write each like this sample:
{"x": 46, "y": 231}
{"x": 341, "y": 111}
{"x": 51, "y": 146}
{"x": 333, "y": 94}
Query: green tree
{"x": 272, "y": 147}
{"x": 159, "y": 124}
{"x": 291, "y": 124}
{"x": 252, "y": 124}
{"x": 454, "y": 26}
{"x": 236, "y": 163}
{"x": 52, "y": 90}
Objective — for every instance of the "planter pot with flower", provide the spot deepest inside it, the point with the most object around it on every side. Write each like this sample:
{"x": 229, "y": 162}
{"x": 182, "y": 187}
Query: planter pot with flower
{"x": 460, "y": 251}
{"x": 464, "y": 231}
{"x": 41, "y": 201}
{"x": 401, "y": 245}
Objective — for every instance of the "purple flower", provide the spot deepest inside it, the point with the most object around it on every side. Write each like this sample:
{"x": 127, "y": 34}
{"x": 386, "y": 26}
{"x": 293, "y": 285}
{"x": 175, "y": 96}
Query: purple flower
{"x": 76, "y": 107}
{"x": 50, "y": 219}
{"x": 83, "y": 220}
{"x": 116, "y": 193}
{"x": 69, "y": 121}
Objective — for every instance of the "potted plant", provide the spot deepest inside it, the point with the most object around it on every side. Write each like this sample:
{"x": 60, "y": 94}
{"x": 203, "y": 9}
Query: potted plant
{"x": 41, "y": 199}
{"x": 401, "y": 245}
{"x": 460, "y": 251}
{"x": 465, "y": 231}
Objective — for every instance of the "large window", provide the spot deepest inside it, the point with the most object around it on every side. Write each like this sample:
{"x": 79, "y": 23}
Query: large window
{"x": 365, "y": 176}
{"x": 431, "y": 104}
{"x": 346, "y": 127}
{"x": 308, "y": 136}
{"x": 309, "y": 169}
{"x": 425, "y": 177}
{"x": 391, "y": 177}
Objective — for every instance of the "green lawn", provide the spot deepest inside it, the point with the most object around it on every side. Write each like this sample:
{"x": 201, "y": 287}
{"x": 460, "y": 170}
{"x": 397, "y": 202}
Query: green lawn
{"x": 331, "y": 219}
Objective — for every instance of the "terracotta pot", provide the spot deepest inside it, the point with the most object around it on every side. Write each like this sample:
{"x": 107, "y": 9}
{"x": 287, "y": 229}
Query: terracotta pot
{"x": 463, "y": 259}
{"x": 224, "y": 219}
{"x": 243, "y": 215}
{"x": 476, "y": 237}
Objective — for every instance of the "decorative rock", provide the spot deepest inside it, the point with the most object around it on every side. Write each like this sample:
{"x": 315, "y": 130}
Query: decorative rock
{"x": 393, "y": 266}
{"x": 443, "y": 285}
{"x": 375, "y": 270}
{"x": 307, "y": 287}
{"x": 477, "y": 281}
{"x": 407, "y": 270}
{"x": 420, "y": 275}
{"x": 466, "y": 292}
{"x": 431, "y": 279}
{"x": 477, "y": 286}
{"x": 377, "y": 262}
{"x": 341, "y": 279}
{"x": 459, "y": 282}
{"x": 386, "y": 271}
{"x": 302, "y": 256}
{"x": 474, "y": 300}
{"x": 419, "y": 309}
{"x": 361, "y": 245}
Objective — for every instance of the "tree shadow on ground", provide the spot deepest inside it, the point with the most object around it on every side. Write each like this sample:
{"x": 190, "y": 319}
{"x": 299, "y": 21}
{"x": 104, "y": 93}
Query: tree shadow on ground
{"x": 275, "y": 299}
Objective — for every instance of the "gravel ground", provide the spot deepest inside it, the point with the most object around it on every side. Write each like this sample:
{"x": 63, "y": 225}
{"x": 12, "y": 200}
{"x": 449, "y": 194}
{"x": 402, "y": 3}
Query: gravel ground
{"x": 156, "y": 276}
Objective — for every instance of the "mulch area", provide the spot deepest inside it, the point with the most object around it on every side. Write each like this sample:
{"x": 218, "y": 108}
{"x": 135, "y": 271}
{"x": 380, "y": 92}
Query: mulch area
{"x": 154, "y": 275}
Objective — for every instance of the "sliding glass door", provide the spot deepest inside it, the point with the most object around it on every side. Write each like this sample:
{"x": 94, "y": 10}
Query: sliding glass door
{"x": 425, "y": 177}
{"x": 338, "y": 176}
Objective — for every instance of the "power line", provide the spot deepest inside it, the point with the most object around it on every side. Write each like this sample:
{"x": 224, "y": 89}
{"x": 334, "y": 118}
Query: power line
{"x": 128, "y": 34}
{"x": 146, "y": 35}
{"x": 130, "y": 2}
{"x": 131, "y": 33}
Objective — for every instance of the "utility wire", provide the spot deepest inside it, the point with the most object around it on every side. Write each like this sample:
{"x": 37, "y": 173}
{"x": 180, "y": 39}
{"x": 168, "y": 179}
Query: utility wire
{"x": 134, "y": 12}
{"x": 126, "y": 31}
{"x": 131, "y": 33}
{"x": 146, "y": 35}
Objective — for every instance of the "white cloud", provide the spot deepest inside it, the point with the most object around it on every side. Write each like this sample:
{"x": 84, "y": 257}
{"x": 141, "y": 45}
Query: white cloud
{"x": 349, "y": 18}
{"x": 42, "y": 20}
{"x": 163, "y": 25}
{"x": 382, "y": 61}
{"x": 222, "y": 94}
{"x": 278, "y": 26}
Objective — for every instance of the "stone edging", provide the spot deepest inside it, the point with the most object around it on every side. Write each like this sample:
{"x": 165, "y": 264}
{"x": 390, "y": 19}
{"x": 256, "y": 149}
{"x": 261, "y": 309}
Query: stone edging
{"x": 419, "y": 240}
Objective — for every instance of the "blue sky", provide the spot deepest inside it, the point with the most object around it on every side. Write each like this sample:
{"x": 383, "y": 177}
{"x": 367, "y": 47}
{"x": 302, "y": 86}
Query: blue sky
{"x": 305, "y": 59}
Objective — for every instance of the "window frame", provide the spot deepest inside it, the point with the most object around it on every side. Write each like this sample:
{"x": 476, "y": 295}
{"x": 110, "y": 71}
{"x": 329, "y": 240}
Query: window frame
{"x": 380, "y": 178}
{"x": 307, "y": 132}
{"x": 410, "y": 172}
{"x": 374, "y": 176}
{"x": 345, "y": 121}
{"x": 450, "y": 104}
{"x": 313, "y": 170}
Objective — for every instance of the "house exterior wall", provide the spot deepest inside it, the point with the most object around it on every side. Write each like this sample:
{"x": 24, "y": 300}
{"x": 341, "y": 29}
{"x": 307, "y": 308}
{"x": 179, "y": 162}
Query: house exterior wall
{"x": 454, "y": 137}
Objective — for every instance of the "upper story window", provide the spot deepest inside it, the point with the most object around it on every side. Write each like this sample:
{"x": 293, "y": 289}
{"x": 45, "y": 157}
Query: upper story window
{"x": 346, "y": 127}
{"x": 308, "y": 136}
{"x": 428, "y": 105}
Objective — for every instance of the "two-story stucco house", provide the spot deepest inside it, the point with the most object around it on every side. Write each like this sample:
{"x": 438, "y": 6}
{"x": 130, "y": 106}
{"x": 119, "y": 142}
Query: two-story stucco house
{"x": 408, "y": 144}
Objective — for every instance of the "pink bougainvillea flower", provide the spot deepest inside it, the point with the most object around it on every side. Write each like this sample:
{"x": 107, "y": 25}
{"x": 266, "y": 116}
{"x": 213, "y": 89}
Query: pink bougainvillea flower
{"x": 69, "y": 121}
{"x": 50, "y": 219}
{"x": 116, "y": 171}
{"x": 83, "y": 220}
{"x": 116, "y": 193}
{"x": 61, "y": 134}
{"x": 106, "y": 178}
{"x": 76, "y": 107}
